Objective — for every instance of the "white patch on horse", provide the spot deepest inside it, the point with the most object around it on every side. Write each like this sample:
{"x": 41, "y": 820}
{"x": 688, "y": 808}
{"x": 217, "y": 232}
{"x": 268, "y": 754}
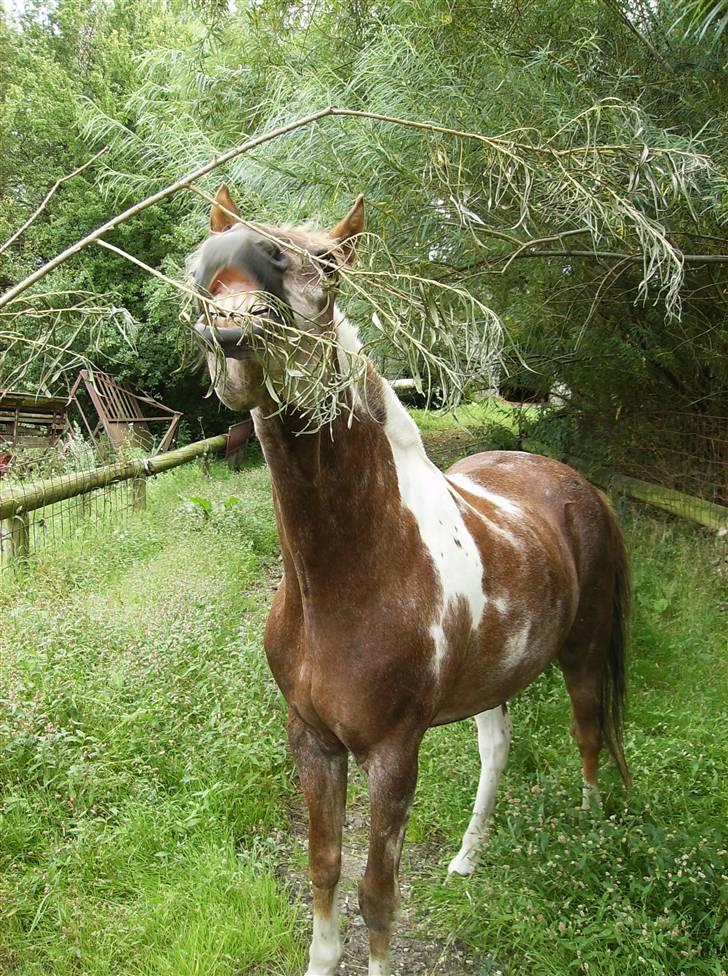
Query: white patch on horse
{"x": 501, "y": 604}
{"x": 590, "y": 797}
{"x": 347, "y": 338}
{"x": 516, "y": 645}
{"x": 438, "y": 636}
{"x": 493, "y": 526}
{"x": 426, "y": 493}
{"x": 394, "y": 844}
{"x": 473, "y": 488}
{"x": 326, "y": 947}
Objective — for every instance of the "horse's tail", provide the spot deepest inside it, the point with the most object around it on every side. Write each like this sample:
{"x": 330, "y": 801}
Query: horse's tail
{"x": 614, "y": 675}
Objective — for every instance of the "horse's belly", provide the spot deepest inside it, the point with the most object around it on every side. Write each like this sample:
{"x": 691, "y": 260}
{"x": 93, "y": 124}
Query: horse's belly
{"x": 505, "y": 655}
{"x": 485, "y": 684}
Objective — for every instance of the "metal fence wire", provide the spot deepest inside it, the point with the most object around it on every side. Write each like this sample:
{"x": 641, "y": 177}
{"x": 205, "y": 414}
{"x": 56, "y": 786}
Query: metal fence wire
{"x": 683, "y": 451}
{"x": 29, "y": 531}
{"x": 681, "y": 458}
{"x": 40, "y": 510}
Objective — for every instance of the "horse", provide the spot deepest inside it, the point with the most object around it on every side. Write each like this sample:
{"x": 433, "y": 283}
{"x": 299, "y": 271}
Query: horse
{"x": 410, "y": 598}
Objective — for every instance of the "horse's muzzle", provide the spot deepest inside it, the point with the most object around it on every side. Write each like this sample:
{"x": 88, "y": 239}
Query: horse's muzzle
{"x": 231, "y": 340}
{"x": 226, "y": 337}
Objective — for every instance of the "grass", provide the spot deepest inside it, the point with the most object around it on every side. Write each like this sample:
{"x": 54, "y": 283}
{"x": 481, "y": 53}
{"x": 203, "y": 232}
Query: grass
{"x": 146, "y": 784}
{"x": 637, "y": 891}
{"x": 142, "y": 748}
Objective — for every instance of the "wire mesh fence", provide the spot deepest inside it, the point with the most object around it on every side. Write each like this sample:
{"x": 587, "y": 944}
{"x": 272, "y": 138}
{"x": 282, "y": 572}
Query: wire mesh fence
{"x": 37, "y": 515}
{"x": 38, "y": 512}
{"x": 680, "y": 458}
{"x": 682, "y": 451}
{"x": 28, "y": 533}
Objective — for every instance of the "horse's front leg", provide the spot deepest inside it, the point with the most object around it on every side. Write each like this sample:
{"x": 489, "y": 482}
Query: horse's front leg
{"x": 322, "y": 770}
{"x": 392, "y": 774}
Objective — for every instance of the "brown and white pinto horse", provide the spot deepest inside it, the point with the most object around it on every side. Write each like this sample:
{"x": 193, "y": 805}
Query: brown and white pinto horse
{"x": 410, "y": 598}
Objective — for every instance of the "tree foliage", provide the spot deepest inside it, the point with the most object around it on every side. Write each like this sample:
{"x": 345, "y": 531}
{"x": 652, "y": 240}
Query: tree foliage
{"x": 587, "y": 205}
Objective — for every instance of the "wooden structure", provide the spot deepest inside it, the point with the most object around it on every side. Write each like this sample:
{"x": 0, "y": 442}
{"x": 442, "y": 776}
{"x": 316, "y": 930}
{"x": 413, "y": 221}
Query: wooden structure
{"x": 238, "y": 436}
{"x": 124, "y": 416}
{"x": 30, "y": 421}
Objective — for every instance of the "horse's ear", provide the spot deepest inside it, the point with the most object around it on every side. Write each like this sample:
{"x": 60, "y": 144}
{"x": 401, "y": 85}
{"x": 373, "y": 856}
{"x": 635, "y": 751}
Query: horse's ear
{"x": 219, "y": 219}
{"x": 348, "y": 229}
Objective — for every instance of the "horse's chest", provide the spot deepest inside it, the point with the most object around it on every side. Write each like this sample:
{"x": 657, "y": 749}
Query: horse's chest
{"x": 355, "y": 666}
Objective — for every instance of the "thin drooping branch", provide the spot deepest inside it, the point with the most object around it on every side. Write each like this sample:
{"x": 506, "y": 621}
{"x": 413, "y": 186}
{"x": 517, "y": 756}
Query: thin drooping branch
{"x": 46, "y": 199}
{"x": 631, "y": 27}
{"x": 157, "y": 197}
{"x": 180, "y": 286}
{"x": 504, "y": 145}
{"x": 618, "y": 255}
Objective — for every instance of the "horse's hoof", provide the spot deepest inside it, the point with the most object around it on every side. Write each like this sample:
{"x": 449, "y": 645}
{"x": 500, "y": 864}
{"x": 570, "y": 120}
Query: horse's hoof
{"x": 461, "y": 865}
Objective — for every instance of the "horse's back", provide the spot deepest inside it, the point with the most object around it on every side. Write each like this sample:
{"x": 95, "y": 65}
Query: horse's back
{"x": 530, "y": 480}
{"x": 545, "y": 492}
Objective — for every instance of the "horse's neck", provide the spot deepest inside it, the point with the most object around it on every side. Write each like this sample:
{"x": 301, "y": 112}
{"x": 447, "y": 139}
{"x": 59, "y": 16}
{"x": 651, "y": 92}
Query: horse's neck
{"x": 342, "y": 487}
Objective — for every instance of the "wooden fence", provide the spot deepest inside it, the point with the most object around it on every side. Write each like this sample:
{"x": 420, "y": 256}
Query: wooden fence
{"x": 19, "y": 501}
{"x": 689, "y": 507}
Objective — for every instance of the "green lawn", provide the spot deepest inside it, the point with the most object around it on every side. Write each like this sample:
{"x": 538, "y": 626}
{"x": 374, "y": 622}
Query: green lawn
{"x": 146, "y": 787}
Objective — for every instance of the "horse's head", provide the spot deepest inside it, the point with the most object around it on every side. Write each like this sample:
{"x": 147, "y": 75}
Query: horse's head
{"x": 275, "y": 289}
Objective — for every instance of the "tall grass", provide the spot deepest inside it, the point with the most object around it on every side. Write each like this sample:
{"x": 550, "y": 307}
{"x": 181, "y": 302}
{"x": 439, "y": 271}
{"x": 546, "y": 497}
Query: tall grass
{"x": 146, "y": 783}
{"x": 142, "y": 747}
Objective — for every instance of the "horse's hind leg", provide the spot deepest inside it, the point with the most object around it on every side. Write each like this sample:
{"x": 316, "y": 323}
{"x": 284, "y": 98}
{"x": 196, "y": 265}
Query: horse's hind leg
{"x": 583, "y": 677}
{"x": 494, "y": 739}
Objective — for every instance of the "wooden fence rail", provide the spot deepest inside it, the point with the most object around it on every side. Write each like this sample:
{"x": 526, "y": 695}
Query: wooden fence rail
{"x": 18, "y": 501}
{"x": 699, "y": 510}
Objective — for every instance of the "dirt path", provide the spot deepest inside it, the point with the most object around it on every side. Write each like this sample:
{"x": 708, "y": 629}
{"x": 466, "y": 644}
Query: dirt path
{"x": 416, "y": 952}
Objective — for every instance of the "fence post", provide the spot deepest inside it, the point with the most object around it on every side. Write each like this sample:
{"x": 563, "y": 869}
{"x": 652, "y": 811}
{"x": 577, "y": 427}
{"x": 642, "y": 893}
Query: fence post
{"x": 138, "y": 494}
{"x": 15, "y": 538}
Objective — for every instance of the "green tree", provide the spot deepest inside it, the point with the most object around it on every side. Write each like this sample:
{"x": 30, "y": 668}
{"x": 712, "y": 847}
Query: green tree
{"x": 617, "y": 121}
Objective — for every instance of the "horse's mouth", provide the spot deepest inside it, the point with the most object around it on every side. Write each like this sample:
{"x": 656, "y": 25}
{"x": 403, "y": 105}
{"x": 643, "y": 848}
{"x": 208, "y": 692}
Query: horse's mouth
{"x": 229, "y": 339}
{"x": 232, "y": 340}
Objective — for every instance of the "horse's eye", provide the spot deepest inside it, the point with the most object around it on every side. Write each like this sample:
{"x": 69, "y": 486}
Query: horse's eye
{"x": 327, "y": 262}
{"x": 276, "y": 255}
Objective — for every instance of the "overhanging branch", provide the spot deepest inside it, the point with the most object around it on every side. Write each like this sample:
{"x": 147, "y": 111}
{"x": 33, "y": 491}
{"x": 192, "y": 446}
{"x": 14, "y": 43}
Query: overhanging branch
{"x": 507, "y": 146}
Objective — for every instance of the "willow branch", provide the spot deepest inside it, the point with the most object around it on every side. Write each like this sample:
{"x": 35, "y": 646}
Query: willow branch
{"x": 64, "y": 179}
{"x": 615, "y": 9}
{"x": 619, "y": 255}
{"x": 149, "y": 269}
{"x": 507, "y": 146}
{"x": 157, "y": 197}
